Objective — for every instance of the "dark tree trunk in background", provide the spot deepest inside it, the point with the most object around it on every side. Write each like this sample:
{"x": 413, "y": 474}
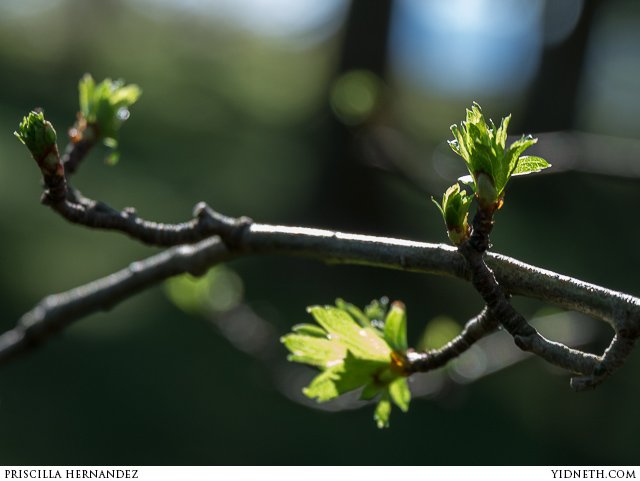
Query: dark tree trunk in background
{"x": 366, "y": 36}
{"x": 554, "y": 94}
{"x": 347, "y": 196}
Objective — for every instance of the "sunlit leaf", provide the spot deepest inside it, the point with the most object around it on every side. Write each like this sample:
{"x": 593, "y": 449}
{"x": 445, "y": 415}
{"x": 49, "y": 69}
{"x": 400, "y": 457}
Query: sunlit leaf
{"x": 342, "y": 378}
{"x": 482, "y": 146}
{"x": 86, "y": 87}
{"x": 104, "y": 107}
{"x": 354, "y": 356}
{"x": 309, "y": 330}
{"x": 323, "y": 387}
{"x": 529, "y": 164}
{"x": 512, "y": 155}
{"x": 395, "y": 327}
{"x": 316, "y": 351}
{"x": 383, "y": 411}
{"x": 400, "y": 393}
{"x": 354, "y": 311}
{"x": 363, "y": 342}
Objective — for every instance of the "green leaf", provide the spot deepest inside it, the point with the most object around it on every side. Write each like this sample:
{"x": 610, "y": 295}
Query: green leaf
{"x": 501, "y": 134}
{"x": 357, "y": 373}
{"x": 342, "y": 378}
{"x": 323, "y": 387}
{"x": 125, "y": 96}
{"x": 363, "y": 342}
{"x": 351, "y": 356}
{"x": 395, "y": 327}
{"x": 438, "y": 203}
{"x": 529, "y": 164}
{"x": 482, "y": 146}
{"x": 354, "y": 311}
{"x": 400, "y": 393}
{"x": 383, "y": 411}
{"x": 86, "y": 88}
{"x": 512, "y": 155}
{"x": 313, "y": 350}
{"x": 105, "y": 105}
{"x": 310, "y": 330}
{"x": 370, "y": 391}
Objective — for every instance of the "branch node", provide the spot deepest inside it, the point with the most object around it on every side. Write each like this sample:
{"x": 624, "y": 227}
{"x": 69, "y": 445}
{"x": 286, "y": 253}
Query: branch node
{"x": 201, "y": 210}
{"x": 130, "y": 212}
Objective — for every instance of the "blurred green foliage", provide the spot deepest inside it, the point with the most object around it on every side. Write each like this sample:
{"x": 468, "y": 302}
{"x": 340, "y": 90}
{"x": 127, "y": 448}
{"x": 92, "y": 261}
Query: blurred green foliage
{"x": 244, "y": 123}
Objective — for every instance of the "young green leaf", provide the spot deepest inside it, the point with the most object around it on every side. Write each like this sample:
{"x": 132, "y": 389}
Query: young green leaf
{"x": 352, "y": 355}
{"x": 363, "y": 342}
{"x": 395, "y": 327}
{"x": 322, "y": 353}
{"x": 400, "y": 393}
{"x": 309, "y": 330}
{"x": 514, "y": 152}
{"x": 529, "y": 164}
{"x": 323, "y": 387}
{"x": 383, "y": 411}
{"x": 354, "y": 311}
{"x": 482, "y": 145}
{"x": 348, "y": 375}
{"x": 104, "y": 107}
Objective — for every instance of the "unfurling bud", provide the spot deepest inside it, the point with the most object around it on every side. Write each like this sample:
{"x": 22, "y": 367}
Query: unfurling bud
{"x": 455, "y": 212}
{"x": 40, "y": 138}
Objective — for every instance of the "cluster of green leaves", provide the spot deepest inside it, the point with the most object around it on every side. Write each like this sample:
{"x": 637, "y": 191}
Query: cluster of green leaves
{"x": 40, "y": 138}
{"x": 354, "y": 349}
{"x": 104, "y": 107}
{"x": 483, "y": 146}
{"x": 490, "y": 163}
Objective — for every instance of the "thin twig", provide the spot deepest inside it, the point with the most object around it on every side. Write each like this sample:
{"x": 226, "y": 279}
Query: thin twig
{"x": 593, "y": 369}
{"x": 474, "y": 330}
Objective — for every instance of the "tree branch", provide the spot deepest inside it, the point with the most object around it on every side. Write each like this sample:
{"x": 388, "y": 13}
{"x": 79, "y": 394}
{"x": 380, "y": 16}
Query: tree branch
{"x": 55, "y": 312}
{"x": 474, "y": 330}
{"x": 211, "y": 237}
{"x": 237, "y": 238}
{"x": 593, "y": 368}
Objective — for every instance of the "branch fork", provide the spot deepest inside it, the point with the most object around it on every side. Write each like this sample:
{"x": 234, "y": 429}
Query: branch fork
{"x": 210, "y": 237}
{"x": 591, "y": 369}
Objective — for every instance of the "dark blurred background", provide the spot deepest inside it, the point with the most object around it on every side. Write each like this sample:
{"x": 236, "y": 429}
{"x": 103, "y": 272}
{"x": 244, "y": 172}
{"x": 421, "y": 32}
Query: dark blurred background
{"x": 333, "y": 114}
